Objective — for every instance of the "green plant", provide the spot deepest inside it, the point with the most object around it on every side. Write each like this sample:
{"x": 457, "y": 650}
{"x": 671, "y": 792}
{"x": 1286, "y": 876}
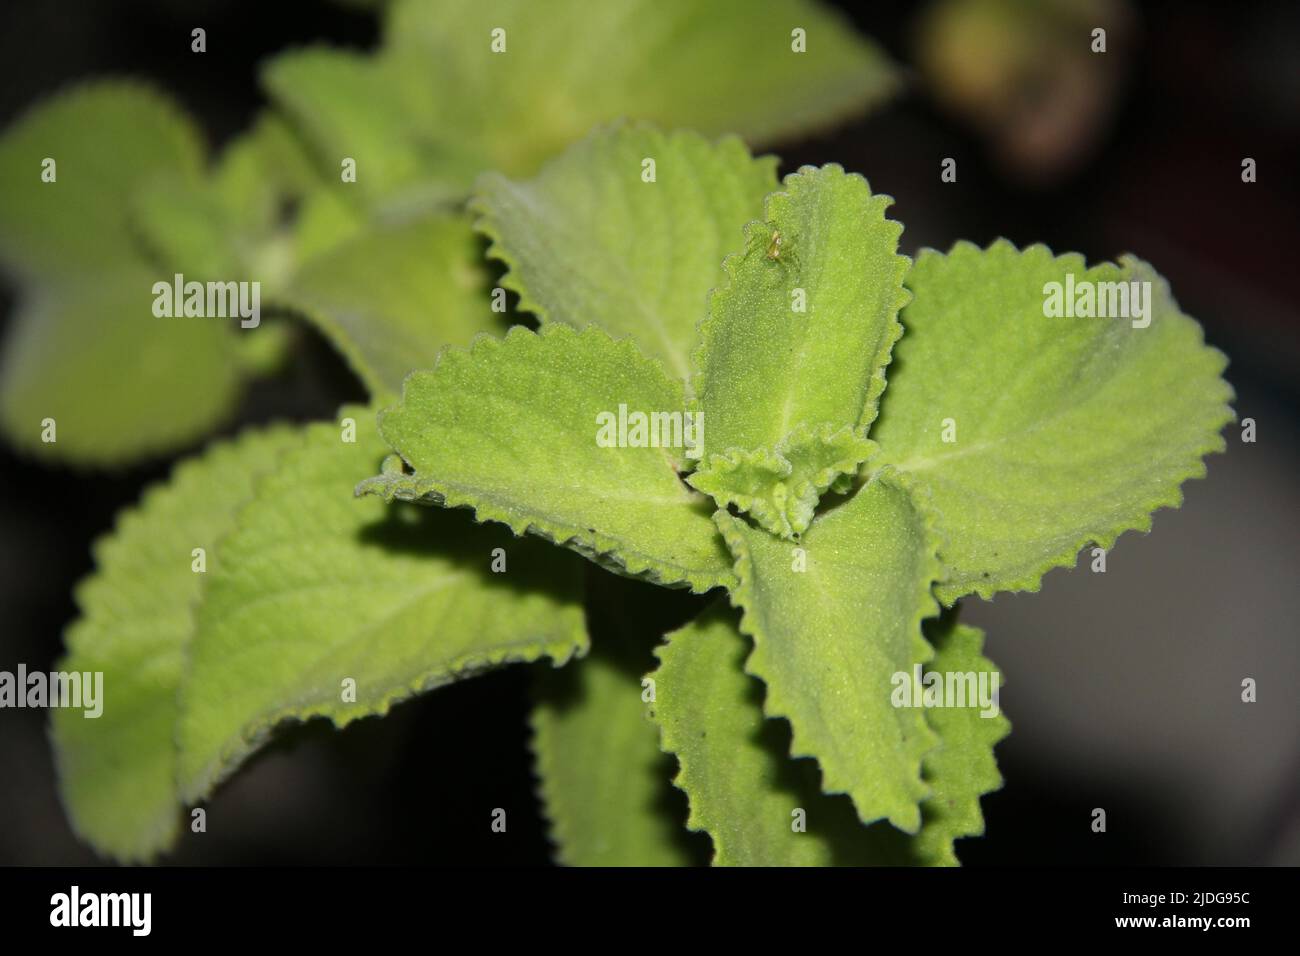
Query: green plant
{"x": 834, "y": 546}
{"x": 363, "y": 160}
{"x": 849, "y": 482}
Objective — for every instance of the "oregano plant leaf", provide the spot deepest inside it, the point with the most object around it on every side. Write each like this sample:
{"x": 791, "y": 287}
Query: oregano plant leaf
{"x": 734, "y": 66}
{"x": 360, "y": 116}
{"x": 833, "y": 618}
{"x": 84, "y": 363}
{"x": 601, "y": 773}
{"x": 281, "y": 210}
{"x": 84, "y": 355}
{"x": 411, "y": 115}
{"x": 1035, "y": 434}
{"x": 602, "y": 779}
{"x": 433, "y": 293}
{"x": 117, "y": 770}
{"x": 780, "y": 487}
{"x": 759, "y": 807}
{"x": 537, "y": 431}
{"x": 71, "y": 166}
{"x": 961, "y": 768}
{"x": 597, "y": 237}
{"x": 325, "y": 605}
{"x": 792, "y": 355}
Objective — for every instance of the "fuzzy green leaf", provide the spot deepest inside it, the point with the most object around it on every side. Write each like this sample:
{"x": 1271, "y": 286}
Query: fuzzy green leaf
{"x": 510, "y": 427}
{"x": 589, "y": 241}
{"x": 601, "y": 769}
{"x": 833, "y": 620}
{"x": 744, "y": 791}
{"x": 413, "y": 115}
{"x": 1068, "y": 430}
{"x": 107, "y": 140}
{"x": 433, "y": 293}
{"x": 93, "y": 357}
{"x": 961, "y": 769}
{"x": 725, "y": 66}
{"x": 604, "y": 782}
{"x": 797, "y": 338}
{"x": 84, "y": 347}
{"x": 314, "y": 588}
{"x": 117, "y": 771}
{"x": 368, "y": 109}
{"x": 780, "y": 487}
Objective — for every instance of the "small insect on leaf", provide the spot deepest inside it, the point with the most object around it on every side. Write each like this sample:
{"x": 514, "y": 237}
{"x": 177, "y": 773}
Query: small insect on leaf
{"x": 780, "y": 251}
{"x": 774, "y": 246}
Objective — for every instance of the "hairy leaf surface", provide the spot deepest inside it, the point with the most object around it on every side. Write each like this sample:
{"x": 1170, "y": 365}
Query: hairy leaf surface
{"x": 1068, "y": 430}
{"x": 316, "y": 589}
{"x": 744, "y": 790}
{"x": 433, "y": 294}
{"x": 83, "y": 347}
{"x": 603, "y": 780}
{"x": 588, "y": 241}
{"x": 829, "y": 637}
{"x": 92, "y": 356}
{"x": 509, "y": 427}
{"x": 797, "y": 338}
{"x": 117, "y": 771}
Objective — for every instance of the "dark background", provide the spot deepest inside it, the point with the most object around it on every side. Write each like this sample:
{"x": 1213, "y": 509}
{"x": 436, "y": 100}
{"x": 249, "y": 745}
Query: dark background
{"x": 1123, "y": 688}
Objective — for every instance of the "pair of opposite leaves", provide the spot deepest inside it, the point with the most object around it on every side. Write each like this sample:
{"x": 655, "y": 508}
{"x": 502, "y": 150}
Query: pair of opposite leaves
{"x": 588, "y": 241}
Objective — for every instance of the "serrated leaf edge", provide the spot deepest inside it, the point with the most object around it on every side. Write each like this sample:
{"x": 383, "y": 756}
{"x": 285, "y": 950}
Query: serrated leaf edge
{"x": 559, "y": 835}
{"x": 791, "y": 184}
{"x": 256, "y": 733}
{"x": 1193, "y": 468}
{"x": 949, "y": 855}
{"x": 603, "y": 549}
{"x": 487, "y": 224}
{"x": 774, "y": 703}
{"x": 669, "y": 743}
{"x": 103, "y": 549}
